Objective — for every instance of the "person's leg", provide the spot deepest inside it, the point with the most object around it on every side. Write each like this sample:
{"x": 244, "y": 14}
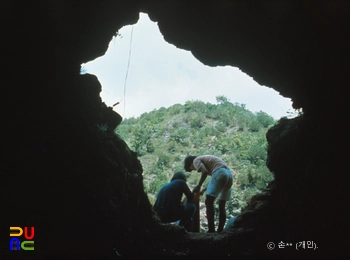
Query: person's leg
{"x": 225, "y": 195}
{"x": 222, "y": 215}
{"x": 209, "y": 204}
{"x": 219, "y": 185}
{"x": 188, "y": 211}
{"x": 163, "y": 215}
{"x": 213, "y": 190}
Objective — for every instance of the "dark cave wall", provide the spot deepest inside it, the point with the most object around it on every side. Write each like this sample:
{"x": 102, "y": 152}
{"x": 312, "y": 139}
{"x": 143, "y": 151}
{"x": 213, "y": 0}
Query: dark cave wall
{"x": 307, "y": 199}
{"x": 60, "y": 156}
{"x": 310, "y": 183}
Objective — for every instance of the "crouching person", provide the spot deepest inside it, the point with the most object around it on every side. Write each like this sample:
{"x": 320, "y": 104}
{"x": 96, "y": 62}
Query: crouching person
{"x": 168, "y": 205}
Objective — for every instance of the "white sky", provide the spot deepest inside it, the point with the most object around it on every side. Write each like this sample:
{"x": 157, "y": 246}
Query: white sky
{"x": 161, "y": 75}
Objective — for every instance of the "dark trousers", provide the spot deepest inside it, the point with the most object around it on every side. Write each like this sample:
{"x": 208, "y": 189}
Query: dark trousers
{"x": 183, "y": 213}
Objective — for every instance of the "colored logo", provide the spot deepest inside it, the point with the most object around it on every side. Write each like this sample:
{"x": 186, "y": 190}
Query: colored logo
{"x": 27, "y": 242}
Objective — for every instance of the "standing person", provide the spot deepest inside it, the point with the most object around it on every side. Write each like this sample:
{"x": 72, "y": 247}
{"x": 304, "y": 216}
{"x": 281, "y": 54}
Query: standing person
{"x": 218, "y": 187}
{"x": 168, "y": 205}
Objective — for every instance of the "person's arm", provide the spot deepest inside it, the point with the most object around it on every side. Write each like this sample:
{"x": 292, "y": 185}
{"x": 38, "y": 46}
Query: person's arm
{"x": 202, "y": 191}
{"x": 188, "y": 193}
{"x": 201, "y": 180}
{"x": 200, "y": 167}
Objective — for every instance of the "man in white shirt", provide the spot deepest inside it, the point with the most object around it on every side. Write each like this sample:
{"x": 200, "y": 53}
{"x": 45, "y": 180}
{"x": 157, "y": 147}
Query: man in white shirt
{"x": 219, "y": 186}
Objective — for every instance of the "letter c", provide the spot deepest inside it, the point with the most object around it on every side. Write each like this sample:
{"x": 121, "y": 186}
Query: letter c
{"x": 27, "y": 245}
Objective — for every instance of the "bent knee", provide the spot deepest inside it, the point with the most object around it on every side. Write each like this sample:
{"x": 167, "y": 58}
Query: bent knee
{"x": 192, "y": 208}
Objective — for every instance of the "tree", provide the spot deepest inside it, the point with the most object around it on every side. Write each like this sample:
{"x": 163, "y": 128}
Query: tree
{"x": 222, "y": 100}
{"x": 264, "y": 119}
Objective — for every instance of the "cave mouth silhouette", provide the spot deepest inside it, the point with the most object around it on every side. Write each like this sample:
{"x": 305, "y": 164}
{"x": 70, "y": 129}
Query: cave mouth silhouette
{"x": 84, "y": 183}
{"x": 128, "y": 38}
{"x": 140, "y": 66}
{"x": 277, "y": 214}
{"x": 257, "y": 224}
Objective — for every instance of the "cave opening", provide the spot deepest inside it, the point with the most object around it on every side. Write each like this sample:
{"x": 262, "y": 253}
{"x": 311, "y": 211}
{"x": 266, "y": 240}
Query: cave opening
{"x": 141, "y": 72}
{"x": 84, "y": 183}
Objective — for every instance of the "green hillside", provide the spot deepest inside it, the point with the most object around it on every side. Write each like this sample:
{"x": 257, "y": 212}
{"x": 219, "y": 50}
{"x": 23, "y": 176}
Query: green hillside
{"x": 164, "y": 137}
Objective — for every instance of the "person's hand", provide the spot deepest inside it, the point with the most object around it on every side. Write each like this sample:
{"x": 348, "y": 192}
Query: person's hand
{"x": 196, "y": 189}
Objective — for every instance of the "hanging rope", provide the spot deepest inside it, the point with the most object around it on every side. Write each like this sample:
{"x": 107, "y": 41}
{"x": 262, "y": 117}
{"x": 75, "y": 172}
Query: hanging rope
{"x": 127, "y": 68}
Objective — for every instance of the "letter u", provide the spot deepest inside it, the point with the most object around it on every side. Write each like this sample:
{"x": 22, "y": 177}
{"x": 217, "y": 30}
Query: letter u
{"x": 26, "y": 233}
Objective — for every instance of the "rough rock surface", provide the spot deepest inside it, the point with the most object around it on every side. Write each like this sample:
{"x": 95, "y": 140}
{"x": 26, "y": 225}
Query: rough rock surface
{"x": 67, "y": 174}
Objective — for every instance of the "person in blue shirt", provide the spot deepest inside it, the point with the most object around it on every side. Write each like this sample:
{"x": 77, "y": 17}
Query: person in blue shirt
{"x": 168, "y": 205}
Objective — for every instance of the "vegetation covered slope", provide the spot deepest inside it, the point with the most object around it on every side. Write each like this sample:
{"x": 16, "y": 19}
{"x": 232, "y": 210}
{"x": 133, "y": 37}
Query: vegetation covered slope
{"x": 164, "y": 137}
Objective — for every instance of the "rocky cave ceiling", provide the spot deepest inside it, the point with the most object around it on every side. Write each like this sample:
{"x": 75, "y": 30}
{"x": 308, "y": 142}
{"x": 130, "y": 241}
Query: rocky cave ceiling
{"x": 297, "y": 48}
